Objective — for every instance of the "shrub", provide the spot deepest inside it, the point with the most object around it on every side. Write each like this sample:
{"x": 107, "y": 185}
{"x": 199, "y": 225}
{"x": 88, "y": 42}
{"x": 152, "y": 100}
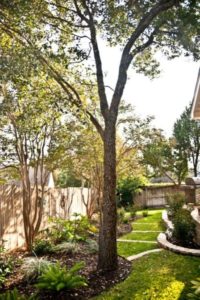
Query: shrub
{"x": 62, "y": 230}
{"x": 145, "y": 214}
{"x": 91, "y": 246}
{"x": 195, "y": 295}
{"x": 184, "y": 227}
{"x": 81, "y": 227}
{"x": 120, "y": 214}
{"x": 42, "y": 247}
{"x": 33, "y": 267}
{"x": 70, "y": 230}
{"x": 175, "y": 203}
{"x": 56, "y": 278}
{"x": 15, "y": 295}
{"x": 67, "y": 247}
{"x": 128, "y": 187}
{"x": 132, "y": 209}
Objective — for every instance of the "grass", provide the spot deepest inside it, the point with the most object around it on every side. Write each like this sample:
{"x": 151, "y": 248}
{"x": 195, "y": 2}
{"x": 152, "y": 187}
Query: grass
{"x": 158, "y": 276}
{"x": 128, "y": 249}
{"x": 145, "y": 236}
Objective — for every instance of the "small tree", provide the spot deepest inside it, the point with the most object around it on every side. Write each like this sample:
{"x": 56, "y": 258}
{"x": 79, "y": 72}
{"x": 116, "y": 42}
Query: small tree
{"x": 187, "y": 134}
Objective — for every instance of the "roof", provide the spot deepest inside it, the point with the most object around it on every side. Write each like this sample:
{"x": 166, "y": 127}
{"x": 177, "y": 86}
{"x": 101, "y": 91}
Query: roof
{"x": 195, "y": 112}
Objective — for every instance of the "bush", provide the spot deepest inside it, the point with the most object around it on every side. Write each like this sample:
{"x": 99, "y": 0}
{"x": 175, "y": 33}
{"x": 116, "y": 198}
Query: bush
{"x": 132, "y": 209}
{"x": 91, "y": 246}
{"x": 67, "y": 248}
{"x": 184, "y": 227}
{"x": 70, "y": 230}
{"x": 128, "y": 187}
{"x": 62, "y": 230}
{"x": 41, "y": 247}
{"x": 175, "y": 203}
{"x": 56, "y": 278}
{"x": 121, "y": 214}
{"x": 145, "y": 214}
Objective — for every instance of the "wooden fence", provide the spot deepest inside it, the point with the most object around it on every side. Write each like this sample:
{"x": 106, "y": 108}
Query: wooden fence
{"x": 156, "y": 196}
{"x": 57, "y": 203}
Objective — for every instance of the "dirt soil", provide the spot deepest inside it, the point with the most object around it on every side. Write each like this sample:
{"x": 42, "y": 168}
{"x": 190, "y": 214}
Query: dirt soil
{"x": 97, "y": 282}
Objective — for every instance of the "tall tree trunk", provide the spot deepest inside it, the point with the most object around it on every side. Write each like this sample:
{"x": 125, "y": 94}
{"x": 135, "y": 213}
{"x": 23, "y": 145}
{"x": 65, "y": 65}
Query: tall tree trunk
{"x": 107, "y": 237}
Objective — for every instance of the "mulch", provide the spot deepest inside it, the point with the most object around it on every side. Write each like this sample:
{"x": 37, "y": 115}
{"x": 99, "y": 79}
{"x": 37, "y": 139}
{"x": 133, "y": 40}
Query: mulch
{"x": 97, "y": 282}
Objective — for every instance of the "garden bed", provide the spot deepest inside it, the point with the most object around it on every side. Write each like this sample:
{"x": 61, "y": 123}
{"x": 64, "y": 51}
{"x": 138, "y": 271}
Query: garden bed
{"x": 97, "y": 282}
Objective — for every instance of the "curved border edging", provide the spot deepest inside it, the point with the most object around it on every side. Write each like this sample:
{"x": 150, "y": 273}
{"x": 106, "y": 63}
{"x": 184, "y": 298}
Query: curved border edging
{"x": 164, "y": 243}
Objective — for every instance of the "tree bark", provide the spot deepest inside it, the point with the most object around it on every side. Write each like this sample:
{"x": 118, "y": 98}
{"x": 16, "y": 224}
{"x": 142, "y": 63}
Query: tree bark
{"x": 107, "y": 238}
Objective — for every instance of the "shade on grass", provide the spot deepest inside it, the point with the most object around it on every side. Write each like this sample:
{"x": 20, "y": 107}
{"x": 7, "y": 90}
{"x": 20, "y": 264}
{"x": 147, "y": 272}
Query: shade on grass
{"x": 158, "y": 276}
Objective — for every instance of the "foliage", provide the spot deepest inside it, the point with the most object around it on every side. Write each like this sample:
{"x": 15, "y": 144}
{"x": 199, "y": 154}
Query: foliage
{"x": 128, "y": 187}
{"x": 67, "y": 247}
{"x": 76, "y": 229}
{"x": 163, "y": 158}
{"x": 175, "y": 203}
{"x": 33, "y": 267}
{"x": 42, "y": 247}
{"x": 15, "y": 295}
{"x": 6, "y": 267}
{"x": 91, "y": 246}
{"x": 65, "y": 179}
{"x": 56, "y": 278}
{"x": 187, "y": 134}
{"x": 145, "y": 213}
{"x": 195, "y": 295}
{"x": 132, "y": 209}
{"x": 121, "y": 214}
{"x": 184, "y": 227}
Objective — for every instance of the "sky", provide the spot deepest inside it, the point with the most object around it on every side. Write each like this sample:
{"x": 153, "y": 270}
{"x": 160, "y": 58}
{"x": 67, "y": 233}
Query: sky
{"x": 164, "y": 97}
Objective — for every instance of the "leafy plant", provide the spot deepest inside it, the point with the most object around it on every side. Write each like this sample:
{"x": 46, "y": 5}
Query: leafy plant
{"x": 33, "y": 267}
{"x": 56, "y": 278}
{"x": 195, "y": 295}
{"x": 145, "y": 214}
{"x": 127, "y": 188}
{"x": 6, "y": 267}
{"x": 41, "y": 247}
{"x": 15, "y": 295}
{"x": 132, "y": 209}
{"x": 67, "y": 247}
{"x": 184, "y": 227}
{"x": 62, "y": 230}
{"x": 81, "y": 226}
{"x": 91, "y": 246}
{"x": 175, "y": 203}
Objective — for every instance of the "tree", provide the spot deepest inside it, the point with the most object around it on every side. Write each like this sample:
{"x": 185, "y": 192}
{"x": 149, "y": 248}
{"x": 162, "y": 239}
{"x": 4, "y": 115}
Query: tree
{"x": 28, "y": 124}
{"x": 187, "y": 135}
{"x": 164, "y": 158}
{"x": 54, "y": 32}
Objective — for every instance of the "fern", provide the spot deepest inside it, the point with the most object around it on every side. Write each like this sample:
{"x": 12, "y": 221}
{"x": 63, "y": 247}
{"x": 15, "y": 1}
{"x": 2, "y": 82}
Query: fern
{"x": 56, "y": 278}
{"x": 15, "y": 295}
{"x": 196, "y": 286}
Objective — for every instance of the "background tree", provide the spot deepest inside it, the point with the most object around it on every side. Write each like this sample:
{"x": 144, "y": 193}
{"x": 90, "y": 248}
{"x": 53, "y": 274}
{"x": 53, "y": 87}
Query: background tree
{"x": 187, "y": 134}
{"x": 54, "y": 33}
{"x": 28, "y": 124}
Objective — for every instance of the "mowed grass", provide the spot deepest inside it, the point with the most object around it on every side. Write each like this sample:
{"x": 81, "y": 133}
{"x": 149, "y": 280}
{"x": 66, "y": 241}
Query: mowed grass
{"x": 145, "y": 236}
{"x": 158, "y": 276}
{"x": 128, "y": 249}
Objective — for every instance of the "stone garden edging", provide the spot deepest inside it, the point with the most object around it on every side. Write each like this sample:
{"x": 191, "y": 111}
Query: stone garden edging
{"x": 164, "y": 243}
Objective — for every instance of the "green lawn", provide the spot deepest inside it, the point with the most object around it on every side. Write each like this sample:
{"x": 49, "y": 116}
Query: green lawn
{"x": 128, "y": 249}
{"x": 145, "y": 236}
{"x": 158, "y": 276}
